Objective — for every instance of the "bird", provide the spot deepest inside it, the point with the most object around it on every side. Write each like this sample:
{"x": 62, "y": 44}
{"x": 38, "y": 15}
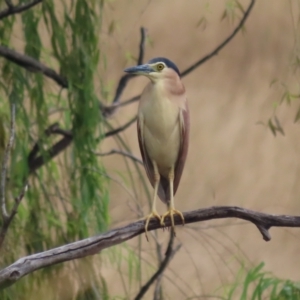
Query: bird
{"x": 163, "y": 123}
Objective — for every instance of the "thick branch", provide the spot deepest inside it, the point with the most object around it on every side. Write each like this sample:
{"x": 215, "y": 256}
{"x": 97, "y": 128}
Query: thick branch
{"x": 11, "y": 10}
{"x": 35, "y": 162}
{"x": 51, "y": 153}
{"x": 32, "y": 65}
{"x": 95, "y": 244}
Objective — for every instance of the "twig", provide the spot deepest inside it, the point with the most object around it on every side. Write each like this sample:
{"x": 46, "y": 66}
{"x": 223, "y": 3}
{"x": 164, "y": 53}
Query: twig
{"x": 222, "y": 45}
{"x": 8, "y": 217}
{"x": 4, "y": 165}
{"x": 168, "y": 256}
{"x": 14, "y": 210}
{"x": 108, "y": 111}
{"x": 11, "y": 10}
{"x": 116, "y": 151}
{"x": 158, "y": 289}
{"x": 93, "y": 245}
{"x": 32, "y": 65}
{"x": 125, "y": 78}
{"x": 206, "y": 57}
{"x": 120, "y": 129}
{"x": 35, "y": 162}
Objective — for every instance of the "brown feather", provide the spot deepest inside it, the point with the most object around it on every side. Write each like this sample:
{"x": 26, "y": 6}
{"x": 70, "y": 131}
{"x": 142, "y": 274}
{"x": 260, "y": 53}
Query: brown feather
{"x": 185, "y": 130}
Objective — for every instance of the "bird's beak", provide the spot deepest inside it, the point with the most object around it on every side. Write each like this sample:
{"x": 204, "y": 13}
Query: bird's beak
{"x": 140, "y": 70}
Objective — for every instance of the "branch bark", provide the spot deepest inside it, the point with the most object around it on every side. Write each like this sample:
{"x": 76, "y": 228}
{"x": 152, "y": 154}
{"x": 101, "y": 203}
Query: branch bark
{"x": 93, "y": 245}
{"x": 168, "y": 256}
{"x": 32, "y": 65}
{"x": 11, "y": 9}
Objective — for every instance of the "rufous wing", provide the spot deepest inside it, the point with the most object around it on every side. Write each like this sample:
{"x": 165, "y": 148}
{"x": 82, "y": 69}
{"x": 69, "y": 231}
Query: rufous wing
{"x": 184, "y": 121}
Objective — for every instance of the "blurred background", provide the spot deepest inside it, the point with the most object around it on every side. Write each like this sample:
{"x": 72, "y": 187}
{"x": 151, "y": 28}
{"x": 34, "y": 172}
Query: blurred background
{"x": 239, "y": 101}
{"x": 234, "y": 159}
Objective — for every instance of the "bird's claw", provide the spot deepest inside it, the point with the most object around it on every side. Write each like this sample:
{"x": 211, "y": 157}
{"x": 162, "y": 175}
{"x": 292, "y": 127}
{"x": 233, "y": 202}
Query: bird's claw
{"x": 153, "y": 214}
{"x": 170, "y": 213}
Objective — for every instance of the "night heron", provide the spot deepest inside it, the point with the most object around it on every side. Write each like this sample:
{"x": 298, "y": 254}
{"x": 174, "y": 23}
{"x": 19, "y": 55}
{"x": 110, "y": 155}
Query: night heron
{"x": 163, "y": 132}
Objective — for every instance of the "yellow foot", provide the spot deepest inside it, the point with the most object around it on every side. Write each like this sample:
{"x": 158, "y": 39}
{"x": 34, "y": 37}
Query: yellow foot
{"x": 170, "y": 213}
{"x": 153, "y": 214}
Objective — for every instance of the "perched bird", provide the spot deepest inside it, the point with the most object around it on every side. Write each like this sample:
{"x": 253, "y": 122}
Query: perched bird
{"x": 163, "y": 132}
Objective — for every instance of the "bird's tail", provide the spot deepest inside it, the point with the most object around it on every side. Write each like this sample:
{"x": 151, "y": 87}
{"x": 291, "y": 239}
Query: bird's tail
{"x": 164, "y": 190}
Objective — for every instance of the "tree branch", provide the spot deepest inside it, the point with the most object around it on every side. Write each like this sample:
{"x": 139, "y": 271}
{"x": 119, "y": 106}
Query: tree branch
{"x": 223, "y": 44}
{"x": 4, "y": 165}
{"x": 32, "y": 65}
{"x": 121, "y": 128}
{"x": 8, "y": 217}
{"x": 11, "y": 9}
{"x": 35, "y": 162}
{"x": 13, "y": 212}
{"x": 108, "y": 111}
{"x": 93, "y": 245}
{"x": 206, "y": 57}
{"x": 123, "y": 153}
{"x": 168, "y": 256}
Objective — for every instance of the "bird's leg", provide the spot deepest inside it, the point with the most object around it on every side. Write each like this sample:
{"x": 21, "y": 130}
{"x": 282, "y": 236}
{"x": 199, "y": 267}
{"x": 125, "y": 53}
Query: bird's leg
{"x": 171, "y": 206}
{"x": 153, "y": 213}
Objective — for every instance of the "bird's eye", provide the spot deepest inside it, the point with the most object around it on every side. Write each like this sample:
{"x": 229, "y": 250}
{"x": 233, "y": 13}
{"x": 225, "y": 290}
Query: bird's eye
{"x": 160, "y": 67}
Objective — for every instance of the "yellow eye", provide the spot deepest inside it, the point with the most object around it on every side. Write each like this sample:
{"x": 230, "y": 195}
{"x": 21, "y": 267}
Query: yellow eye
{"x": 160, "y": 67}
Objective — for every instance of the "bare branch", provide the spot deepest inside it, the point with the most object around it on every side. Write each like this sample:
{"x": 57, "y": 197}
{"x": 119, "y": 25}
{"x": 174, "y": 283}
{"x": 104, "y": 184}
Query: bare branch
{"x": 93, "y": 245}
{"x": 126, "y": 154}
{"x": 4, "y": 165}
{"x": 223, "y": 44}
{"x": 206, "y": 57}
{"x": 168, "y": 256}
{"x": 11, "y": 10}
{"x": 57, "y": 148}
{"x": 108, "y": 111}
{"x": 120, "y": 129}
{"x": 9, "y": 4}
{"x": 124, "y": 79}
{"x": 32, "y": 65}
{"x": 35, "y": 162}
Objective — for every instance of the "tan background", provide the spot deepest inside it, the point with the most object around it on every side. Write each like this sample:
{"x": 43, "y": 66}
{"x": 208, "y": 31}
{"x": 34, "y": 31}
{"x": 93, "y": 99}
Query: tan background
{"x": 232, "y": 160}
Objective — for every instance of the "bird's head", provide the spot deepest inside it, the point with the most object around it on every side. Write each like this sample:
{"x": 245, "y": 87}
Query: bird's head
{"x": 156, "y": 69}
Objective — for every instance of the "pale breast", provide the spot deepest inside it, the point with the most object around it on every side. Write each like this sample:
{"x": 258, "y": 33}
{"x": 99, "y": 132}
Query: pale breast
{"x": 161, "y": 131}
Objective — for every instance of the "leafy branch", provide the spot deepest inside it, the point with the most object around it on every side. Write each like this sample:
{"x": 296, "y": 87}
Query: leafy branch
{"x": 8, "y": 217}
